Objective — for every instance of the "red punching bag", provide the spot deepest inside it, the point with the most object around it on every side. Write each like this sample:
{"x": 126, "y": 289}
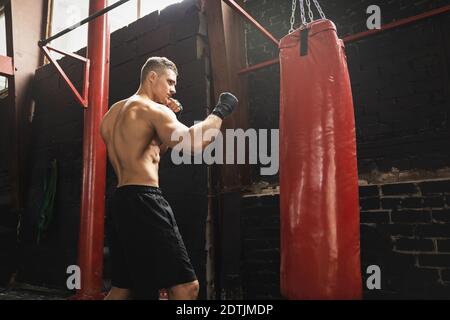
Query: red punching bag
{"x": 320, "y": 253}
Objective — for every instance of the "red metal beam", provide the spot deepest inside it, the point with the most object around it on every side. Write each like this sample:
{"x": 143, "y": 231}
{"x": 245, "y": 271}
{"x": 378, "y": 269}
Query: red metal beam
{"x": 6, "y": 66}
{"x": 250, "y": 19}
{"x": 362, "y": 35}
{"x": 397, "y": 24}
{"x": 90, "y": 249}
{"x": 82, "y": 99}
{"x": 259, "y": 66}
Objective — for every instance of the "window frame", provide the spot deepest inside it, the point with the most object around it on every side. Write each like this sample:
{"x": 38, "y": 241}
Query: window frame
{"x": 4, "y": 89}
{"x": 50, "y": 7}
{"x": 50, "y": 11}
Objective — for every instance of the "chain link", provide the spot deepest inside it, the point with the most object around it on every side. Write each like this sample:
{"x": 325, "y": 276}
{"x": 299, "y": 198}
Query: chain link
{"x": 310, "y": 13}
{"x": 294, "y": 7}
{"x": 319, "y": 8}
{"x": 302, "y": 12}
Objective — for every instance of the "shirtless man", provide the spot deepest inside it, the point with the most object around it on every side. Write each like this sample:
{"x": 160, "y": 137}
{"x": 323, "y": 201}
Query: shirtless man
{"x": 147, "y": 251}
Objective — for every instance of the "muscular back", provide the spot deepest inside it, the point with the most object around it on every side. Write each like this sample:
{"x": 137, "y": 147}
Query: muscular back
{"x": 132, "y": 142}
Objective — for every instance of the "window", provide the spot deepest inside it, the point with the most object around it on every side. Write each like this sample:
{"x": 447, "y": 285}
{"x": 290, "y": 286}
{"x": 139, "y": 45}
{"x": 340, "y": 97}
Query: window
{"x": 65, "y": 13}
{"x": 133, "y": 10}
{"x": 3, "y": 52}
{"x": 123, "y": 15}
{"x": 153, "y": 5}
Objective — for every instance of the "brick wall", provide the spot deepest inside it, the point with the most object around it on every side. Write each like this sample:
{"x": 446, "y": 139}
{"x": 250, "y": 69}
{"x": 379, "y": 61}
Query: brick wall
{"x": 5, "y": 165}
{"x": 401, "y": 90}
{"x": 8, "y": 217}
{"x": 406, "y": 231}
{"x": 178, "y": 33}
{"x": 260, "y": 232}
{"x": 400, "y": 81}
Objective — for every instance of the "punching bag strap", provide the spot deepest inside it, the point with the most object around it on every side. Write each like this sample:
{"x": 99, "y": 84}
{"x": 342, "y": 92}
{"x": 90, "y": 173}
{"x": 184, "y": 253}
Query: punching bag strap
{"x": 304, "y": 42}
{"x": 304, "y": 32}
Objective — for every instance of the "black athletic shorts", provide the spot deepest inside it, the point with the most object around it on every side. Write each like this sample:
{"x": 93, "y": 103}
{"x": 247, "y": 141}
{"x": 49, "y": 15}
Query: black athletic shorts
{"x": 147, "y": 251}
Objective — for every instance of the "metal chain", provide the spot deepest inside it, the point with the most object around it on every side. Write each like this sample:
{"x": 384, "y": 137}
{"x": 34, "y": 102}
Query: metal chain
{"x": 310, "y": 13}
{"x": 302, "y": 12}
{"x": 294, "y": 7}
{"x": 319, "y": 8}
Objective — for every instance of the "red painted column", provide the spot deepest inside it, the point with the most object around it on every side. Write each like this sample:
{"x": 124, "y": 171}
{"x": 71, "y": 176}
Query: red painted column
{"x": 90, "y": 250}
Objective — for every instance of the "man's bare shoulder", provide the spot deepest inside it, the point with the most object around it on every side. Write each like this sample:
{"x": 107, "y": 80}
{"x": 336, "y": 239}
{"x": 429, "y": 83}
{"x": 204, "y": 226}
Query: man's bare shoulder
{"x": 113, "y": 110}
{"x": 149, "y": 107}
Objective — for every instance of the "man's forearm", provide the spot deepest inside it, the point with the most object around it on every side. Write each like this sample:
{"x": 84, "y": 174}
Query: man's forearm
{"x": 198, "y": 130}
{"x": 211, "y": 125}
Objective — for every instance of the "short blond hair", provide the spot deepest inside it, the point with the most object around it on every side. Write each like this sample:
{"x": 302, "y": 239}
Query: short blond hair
{"x": 157, "y": 64}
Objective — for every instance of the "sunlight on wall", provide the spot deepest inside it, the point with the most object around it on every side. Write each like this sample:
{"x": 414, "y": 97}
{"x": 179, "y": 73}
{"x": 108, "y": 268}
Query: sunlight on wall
{"x": 68, "y": 12}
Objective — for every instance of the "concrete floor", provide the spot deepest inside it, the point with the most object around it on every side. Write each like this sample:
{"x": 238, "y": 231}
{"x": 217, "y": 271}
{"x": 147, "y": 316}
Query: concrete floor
{"x": 21, "y": 294}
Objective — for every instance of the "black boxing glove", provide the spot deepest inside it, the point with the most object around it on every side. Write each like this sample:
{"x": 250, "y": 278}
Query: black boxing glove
{"x": 227, "y": 103}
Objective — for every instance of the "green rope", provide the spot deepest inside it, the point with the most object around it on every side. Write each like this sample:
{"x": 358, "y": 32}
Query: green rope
{"x": 46, "y": 210}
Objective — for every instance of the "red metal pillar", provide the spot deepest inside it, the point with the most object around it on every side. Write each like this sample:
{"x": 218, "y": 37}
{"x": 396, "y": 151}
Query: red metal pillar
{"x": 90, "y": 250}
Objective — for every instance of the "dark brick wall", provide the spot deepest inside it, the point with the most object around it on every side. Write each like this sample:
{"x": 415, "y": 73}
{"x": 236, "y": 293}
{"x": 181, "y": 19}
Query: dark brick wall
{"x": 8, "y": 220}
{"x": 8, "y": 217}
{"x": 400, "y": 80}
{"x": 405, "y": 230}
{"x": 177, "y": 33}
{"x": 402, "y": 115}
{"x": 260, "y": 232}
{"x": 5, "y": 165}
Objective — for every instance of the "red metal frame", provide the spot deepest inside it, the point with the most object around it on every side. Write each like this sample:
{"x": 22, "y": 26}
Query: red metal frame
{"x": 92, "y": 215}
{"x": 81, "y": 98}
{"x": 250, "y": 19}
{"x": 397, "y": 24}
{"x": 259, "y": 66}
{"x": 347, "y": 39}
{"x": 6, "y": 66}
